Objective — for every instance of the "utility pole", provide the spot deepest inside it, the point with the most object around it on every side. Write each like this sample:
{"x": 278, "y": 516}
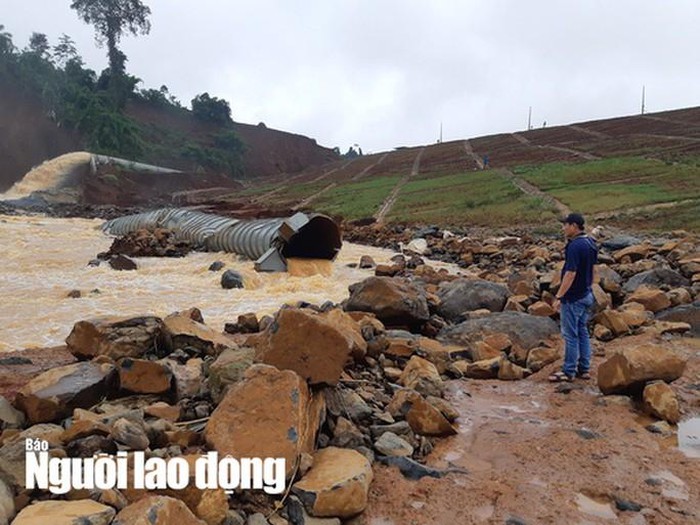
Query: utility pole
{"x": 529, "y": 119}
{"x": 440, "y": 141}
{"x": 643, "y": 98}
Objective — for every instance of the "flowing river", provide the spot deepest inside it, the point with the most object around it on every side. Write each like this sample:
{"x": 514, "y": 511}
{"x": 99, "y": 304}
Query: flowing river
{"x": 43, "y": 259}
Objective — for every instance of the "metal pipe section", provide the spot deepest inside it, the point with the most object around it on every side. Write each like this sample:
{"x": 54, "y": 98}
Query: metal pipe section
{"x": 128, "y": 164}
{"x": 267, "y": 241}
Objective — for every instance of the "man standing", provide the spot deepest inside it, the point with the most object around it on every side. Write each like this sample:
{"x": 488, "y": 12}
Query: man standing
{"x": 575, "y": 298}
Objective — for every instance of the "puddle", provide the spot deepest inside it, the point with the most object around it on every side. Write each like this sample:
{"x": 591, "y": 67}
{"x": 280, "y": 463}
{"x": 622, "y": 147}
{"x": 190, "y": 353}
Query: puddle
{"x": 593, "y": 508}
{"x": 689, "y": 437}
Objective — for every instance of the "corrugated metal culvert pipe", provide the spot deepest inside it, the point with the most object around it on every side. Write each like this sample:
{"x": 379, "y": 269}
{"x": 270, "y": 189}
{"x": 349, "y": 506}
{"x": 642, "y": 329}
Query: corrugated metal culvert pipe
{"x": 270, "y": 242}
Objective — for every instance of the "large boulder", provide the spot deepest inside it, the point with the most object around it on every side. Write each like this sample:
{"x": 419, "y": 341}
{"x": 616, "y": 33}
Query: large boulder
{"x": 422, "y": 376}
{"x": 652, "y": 299}
{"x": 656, "y": 278}
{"x": 54, "y": 394}
{"x": 7, "y": 503}
{"x": 316, "y": 346}
{"x": 114, "y": 337}
{"x": 80, "y": 512}
{"x": 661, "y": 401}
{"x": 688, "y": 313}
{"x": 180, "y": 330}
{"x": 619, "y": 242}
{"x": 465, "y": 295}
{"x": 337, "y": 484}
{"x": 157, "y": 510}
{"x": 629, "y": 370}
{"x": 270, "y": 413}
{"x": 525, "y": 330}
{"x": 395, "y": 302}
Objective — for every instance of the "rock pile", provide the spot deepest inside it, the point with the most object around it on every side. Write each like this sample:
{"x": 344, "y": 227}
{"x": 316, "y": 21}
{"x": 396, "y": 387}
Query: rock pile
{"x": 331, "y": 388}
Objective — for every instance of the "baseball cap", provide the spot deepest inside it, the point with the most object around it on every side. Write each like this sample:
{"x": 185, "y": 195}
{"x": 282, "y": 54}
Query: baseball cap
{"x": 574, "y": 218}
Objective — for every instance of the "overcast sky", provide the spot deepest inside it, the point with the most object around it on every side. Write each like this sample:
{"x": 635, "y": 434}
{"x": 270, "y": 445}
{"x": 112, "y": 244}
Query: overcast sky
{"x": 386, "y": 73}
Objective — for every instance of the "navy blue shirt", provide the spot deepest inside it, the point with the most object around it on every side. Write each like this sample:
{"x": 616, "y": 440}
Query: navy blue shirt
{"x": 581, "y": 255}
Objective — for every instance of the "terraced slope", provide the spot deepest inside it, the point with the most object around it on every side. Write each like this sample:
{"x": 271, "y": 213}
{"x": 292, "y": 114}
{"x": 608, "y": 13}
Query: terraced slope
{"x": 532, "y": 176}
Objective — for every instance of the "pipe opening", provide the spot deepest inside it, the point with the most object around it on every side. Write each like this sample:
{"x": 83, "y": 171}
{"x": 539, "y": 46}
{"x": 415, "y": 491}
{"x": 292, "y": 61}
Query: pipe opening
{"x": 317, "y": 239}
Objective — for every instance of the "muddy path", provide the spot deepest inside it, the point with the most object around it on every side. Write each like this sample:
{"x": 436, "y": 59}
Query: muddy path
{"x": 538, "y": 456}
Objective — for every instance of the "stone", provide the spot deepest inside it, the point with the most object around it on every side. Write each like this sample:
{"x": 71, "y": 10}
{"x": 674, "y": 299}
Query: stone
{"x": 528, "y": 331}
{"x": 113, "y": 337}
{"x": 482, "y": 351}
{"x": 80, "y": 512}
{"x": 83, "y": 428}
{"x": 602, "y": 333}
{"x": 628, "y": 370}
{"x": 298, "y": 516}
{"x": 347, "y": 435}
{"x": 656, "y": 278}
{"x": 539, "y": 357}
{"x": 445, "y": 408}
{"x": 187, "y": 378}
{"x": 509, "y": 371}
{"x": 348, "y": 403}
{"x": 486, "y": 369}
{"x": 157, "y": 510}
{"x": 337, "y": 485}
{"x": 367, "y": 262}
{"x": 271, "y": 403}
{"x": 661, "y": 401}
{"x": 689, "y": 313}
{"x": 603, "y": 301}
{"x": 309, "y": 343}
{"x": 143, "y": 377}
{"x": 395, "y": 302}
{"x": 635, "y": 315}
{"x": 216, "y": 266}
{"x": 162, "y": 410}
{"x": 463, "y": 295}
{"x": 130, "y": 434}
{"x": 633, "y": 253}
{"x": 181, "y": 331}
{"x": 228, "y": 369}
{"x": 257, "y": 519}
{"x": 422, "y": 376}
{"x": 423, "y": 418}
{"x": 387, "y": 270}
{"x": 7, "y": 503}
{"x": 652, "y": 299}
{"x": 660, "y": 427}
{"x": 620, "y": 241}
{"x": 609, "y": 280}
{"x": 679, "y": 296}
{"x": 440, "y": 354}
{"x": 389, "y": 444}
{"x": 541, "y": 309}
{"x": 54, "y": 394}
{"x": 231, "y": 279}
{"x": 613, "y": 321}
{"x": 9, "y": 416}
{"x": 122, "y": 262}
{"x": 401, "y": 347}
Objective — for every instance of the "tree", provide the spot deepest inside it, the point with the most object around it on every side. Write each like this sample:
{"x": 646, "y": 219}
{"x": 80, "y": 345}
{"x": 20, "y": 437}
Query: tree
{"x": 39, "y": 45}
{"x": 111, "y": 19}
{"x": 65, "y": 51}
{"x": 6, "y": 45}
{"x": 211, "y": 109}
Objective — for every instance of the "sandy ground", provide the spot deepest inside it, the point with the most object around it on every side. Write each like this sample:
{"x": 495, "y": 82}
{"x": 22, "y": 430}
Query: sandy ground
{"x": 538, "y": 456}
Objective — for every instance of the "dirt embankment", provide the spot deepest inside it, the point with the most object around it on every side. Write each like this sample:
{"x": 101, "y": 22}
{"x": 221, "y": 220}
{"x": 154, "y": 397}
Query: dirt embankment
{"x": 27, "y": 135}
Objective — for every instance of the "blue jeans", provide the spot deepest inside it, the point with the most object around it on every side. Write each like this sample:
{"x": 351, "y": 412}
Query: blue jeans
{"x": 574, "y": 320}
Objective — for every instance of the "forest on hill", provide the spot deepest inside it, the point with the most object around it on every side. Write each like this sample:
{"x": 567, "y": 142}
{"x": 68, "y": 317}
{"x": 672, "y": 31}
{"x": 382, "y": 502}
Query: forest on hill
{"x": 50, "y": 95}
